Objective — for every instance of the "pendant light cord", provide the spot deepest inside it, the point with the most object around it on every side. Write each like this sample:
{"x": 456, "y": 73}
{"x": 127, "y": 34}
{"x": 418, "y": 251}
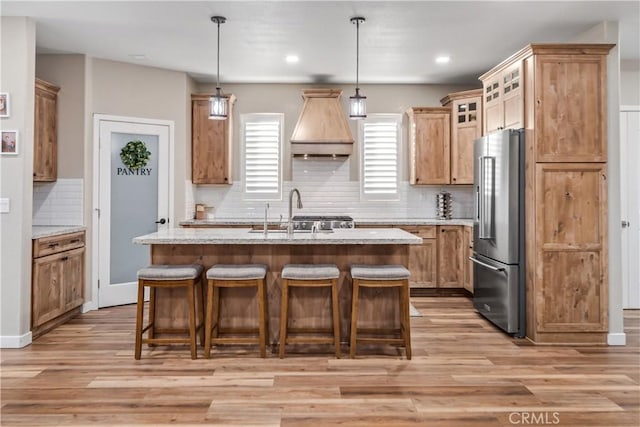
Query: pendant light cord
{"x": 218, "y": 66}
{"x": 357, "y": 53}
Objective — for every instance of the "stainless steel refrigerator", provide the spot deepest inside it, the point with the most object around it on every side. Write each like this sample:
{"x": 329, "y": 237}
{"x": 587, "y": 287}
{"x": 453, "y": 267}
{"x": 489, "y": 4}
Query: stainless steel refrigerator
{"x": 498, "y": 231}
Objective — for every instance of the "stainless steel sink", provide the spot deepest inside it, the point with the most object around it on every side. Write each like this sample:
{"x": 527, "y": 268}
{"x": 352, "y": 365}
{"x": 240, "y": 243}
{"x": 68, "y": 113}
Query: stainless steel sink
{"x": 294, "y": 231}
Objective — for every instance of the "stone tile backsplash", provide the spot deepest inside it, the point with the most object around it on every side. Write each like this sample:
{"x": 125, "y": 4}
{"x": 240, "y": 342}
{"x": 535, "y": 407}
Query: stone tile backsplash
{"x": 58, "y": 203}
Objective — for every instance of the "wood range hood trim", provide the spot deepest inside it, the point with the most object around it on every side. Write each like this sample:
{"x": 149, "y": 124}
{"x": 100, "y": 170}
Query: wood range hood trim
{"x": 322, "y": 128}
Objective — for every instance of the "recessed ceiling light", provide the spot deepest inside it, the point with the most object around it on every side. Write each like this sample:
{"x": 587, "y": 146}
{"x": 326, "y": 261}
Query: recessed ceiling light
{"x": 292, "y": 59}
{"x": 442, "y": 59}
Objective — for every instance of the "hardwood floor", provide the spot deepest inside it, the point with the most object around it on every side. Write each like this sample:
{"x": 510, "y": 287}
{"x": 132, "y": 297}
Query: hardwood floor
{"x": 464, "y": 373}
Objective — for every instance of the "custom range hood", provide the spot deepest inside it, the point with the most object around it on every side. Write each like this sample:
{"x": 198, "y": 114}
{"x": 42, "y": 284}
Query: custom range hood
{"x": 322, "y": 128}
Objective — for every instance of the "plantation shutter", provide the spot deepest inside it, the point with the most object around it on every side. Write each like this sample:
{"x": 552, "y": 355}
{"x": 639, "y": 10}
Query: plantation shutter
{"x": 262, "y": 156}
{"x": 380, "y": 158}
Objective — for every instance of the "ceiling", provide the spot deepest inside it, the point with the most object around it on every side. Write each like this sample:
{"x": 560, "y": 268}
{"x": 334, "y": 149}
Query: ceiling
{"x": 398, "y": 42}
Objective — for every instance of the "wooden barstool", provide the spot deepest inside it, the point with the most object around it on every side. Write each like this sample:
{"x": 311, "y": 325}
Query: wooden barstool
{"x": 381, "y": 276}
{"x": 235, "y": 276}
{"x": 170, "y": 276}
{"x": 310, "y": 276}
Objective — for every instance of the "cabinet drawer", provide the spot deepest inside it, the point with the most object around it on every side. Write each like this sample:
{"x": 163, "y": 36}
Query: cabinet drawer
{"x": 424, "y": 231}
{"x": 54, "y": 244}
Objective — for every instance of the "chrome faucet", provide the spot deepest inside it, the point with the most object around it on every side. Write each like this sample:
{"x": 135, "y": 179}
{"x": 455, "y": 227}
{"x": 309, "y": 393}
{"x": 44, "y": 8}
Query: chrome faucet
{"x": 290, "y": 223}
{"x": 266, "y": 220}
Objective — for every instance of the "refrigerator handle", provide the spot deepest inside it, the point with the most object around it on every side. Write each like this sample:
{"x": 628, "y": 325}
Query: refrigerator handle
{"x": 490, "y": 267}
{"x": 486, "y": 197}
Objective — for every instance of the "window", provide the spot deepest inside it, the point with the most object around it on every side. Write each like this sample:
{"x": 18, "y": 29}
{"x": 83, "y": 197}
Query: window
{"x": 380, "y": 137}
{"x": 262, "y": 136}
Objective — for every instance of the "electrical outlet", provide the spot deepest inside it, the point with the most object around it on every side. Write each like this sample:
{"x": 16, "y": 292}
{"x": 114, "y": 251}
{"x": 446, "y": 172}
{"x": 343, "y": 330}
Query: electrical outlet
{"x": 5, "y": 205}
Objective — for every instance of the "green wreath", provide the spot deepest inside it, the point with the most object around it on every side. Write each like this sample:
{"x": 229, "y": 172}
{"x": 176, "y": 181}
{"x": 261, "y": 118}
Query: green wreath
{"x": 135, "y": 155}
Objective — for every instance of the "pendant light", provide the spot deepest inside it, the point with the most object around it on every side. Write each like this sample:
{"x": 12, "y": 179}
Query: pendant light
{"x": 357, "y": 103}
{"x": 218, "y": 104}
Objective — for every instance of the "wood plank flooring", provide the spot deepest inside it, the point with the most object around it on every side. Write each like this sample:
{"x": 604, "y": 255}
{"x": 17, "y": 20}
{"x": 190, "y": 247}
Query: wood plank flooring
{"x": 464, "y": 372}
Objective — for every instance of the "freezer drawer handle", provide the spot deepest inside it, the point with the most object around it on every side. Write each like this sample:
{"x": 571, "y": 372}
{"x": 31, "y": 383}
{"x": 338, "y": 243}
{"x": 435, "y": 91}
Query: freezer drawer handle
{"x": 490, "y": 267}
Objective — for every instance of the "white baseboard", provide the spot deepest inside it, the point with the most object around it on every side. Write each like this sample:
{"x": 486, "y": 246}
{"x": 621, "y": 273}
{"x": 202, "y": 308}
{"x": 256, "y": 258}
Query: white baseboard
{"x": 15, "y": 341}
{"x": 617, "y": 339}
{"x": 89, "y": 306}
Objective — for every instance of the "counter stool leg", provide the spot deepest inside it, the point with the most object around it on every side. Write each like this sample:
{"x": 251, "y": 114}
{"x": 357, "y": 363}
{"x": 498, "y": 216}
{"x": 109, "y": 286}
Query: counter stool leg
{"x": 336, "y": 316}
{"x": 192, "y": 319}
{"x": 261, "y": 318}
{"x": 209, "y": 320}
{"x": 354, "y": 318}
{"x": 152, "y": 314}
{"x": 215, "y": 327}
{"x": 283, "y": 316}
{"x": 406, "y": 327}
{"x": 200, "y": 302}
{"x": 139, "y": 320}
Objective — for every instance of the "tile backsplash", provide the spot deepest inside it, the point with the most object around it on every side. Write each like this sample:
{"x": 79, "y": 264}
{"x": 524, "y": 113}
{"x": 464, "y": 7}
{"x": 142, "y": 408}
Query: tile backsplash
{"x": 326, "y": 190}
{"x": 58, "y": 203}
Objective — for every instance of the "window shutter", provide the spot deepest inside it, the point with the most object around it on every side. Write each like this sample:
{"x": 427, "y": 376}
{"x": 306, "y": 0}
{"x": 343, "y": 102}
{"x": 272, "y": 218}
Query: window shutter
{"x": 262, "y": 157}
{"x": 380, "y": 158}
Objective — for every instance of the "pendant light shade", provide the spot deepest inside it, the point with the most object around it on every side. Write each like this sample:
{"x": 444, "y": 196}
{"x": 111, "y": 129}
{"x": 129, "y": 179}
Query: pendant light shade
{"x": 357, "y": 102}
{"x": 218, "y": 104}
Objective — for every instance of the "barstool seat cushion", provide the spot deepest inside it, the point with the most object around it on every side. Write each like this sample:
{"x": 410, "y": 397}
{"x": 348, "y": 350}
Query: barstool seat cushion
{"x": 170, "y": 272}
{"x": 237, "y": 271}
{"x": 379, "y": 272}
{"x": 310, "y": 271}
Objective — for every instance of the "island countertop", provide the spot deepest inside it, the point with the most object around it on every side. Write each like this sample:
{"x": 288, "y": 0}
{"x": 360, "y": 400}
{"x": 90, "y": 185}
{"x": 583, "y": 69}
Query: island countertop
{"x": 247, "y": 236}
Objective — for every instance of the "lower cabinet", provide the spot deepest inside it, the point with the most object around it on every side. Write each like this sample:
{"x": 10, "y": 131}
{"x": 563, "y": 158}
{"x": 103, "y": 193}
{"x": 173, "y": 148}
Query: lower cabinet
{"x": 423, "y": 258}
{"x": 57, "y": 280}
{"x": 450, "y": 256}
{"x": 440, "y": 261}
{"x": 468, "y": 252}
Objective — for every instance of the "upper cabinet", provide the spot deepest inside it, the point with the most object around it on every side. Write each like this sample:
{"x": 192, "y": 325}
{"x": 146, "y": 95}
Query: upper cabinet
{"x": 559, "y": 91}
{"x": 466, "y": 127}
{"x": 211, "y": 150}
{"x": 429, "y": 145}
{"x": 45, "y": 144}
{"x": 502, "y": 96}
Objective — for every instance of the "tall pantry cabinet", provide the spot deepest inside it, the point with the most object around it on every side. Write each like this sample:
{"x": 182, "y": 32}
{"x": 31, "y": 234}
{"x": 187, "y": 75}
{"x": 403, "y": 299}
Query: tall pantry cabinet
{"x": 557, "y": 92}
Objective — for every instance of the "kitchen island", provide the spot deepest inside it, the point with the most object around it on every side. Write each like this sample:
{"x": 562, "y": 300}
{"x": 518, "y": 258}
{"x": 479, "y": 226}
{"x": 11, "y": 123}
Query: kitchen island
{"x": 309, "y": 307}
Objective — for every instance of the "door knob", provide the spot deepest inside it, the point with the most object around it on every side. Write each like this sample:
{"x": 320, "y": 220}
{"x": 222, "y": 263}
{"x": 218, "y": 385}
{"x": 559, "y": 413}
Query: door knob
{"x": 162, "y": 221}
{"x": 625, "y": 224}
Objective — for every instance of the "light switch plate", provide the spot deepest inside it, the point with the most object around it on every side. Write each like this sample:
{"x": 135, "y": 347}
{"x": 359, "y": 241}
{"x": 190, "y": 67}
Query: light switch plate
{"x": 5, "y": 205}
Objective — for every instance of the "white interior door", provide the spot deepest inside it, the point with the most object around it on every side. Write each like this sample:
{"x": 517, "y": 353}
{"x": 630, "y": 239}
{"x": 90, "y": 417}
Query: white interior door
{"x": 630, "y": 198}
{"x": 131, "y": 202}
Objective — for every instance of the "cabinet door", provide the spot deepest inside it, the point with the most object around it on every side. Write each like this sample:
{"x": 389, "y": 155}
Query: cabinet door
{"x": 450, "y": 252}
{"x": 468, "y": 252}
{"x": 73, "y": 278}
{"x": 466, "y": 127}
{"x": 512, "y": 99}
{"x": 423, "y": 258}
{"x": 47, "y": 297}
{"x": 571, "y": 253}
{"x": 432, "y": 150}
{"x": 45, "y": 149}
{"x": 570, "y": 108}
{"x": 209, "y": 147}
{"x": 492, "y": 105}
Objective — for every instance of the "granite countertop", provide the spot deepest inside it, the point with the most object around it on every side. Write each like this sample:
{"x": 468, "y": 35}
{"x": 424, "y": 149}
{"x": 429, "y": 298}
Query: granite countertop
{"x": 235, "y": 236}
{"x": 39, "y": 231}
{"x": 361, "y": 221}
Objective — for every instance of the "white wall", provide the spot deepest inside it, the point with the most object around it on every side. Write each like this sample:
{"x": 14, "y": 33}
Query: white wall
{"x": 17, "y": 74}
{"x": 68, "y": 73}
{"x": 630, "y": 82}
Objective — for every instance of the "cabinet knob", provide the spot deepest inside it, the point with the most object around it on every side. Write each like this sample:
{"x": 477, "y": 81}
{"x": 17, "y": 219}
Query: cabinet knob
{"x": 225, "y": 179}
{"x": 64, "y": 258}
